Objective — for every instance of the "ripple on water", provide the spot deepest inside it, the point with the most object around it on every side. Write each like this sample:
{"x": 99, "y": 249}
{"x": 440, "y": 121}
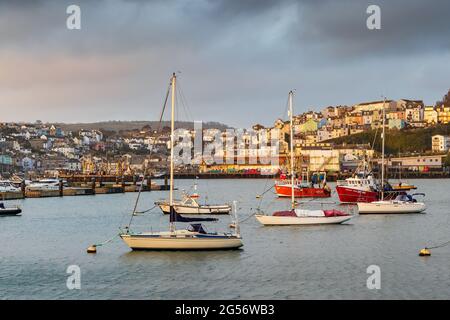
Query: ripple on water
{"x": 318, "y": 262}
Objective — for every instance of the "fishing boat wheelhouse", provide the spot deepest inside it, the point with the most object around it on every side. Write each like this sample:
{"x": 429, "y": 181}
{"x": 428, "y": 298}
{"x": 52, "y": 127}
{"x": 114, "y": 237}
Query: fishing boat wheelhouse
{"x": 303, "y": 188}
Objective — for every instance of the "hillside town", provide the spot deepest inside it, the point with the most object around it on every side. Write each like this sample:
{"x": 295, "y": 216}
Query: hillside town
{"x": 44, "y": 149}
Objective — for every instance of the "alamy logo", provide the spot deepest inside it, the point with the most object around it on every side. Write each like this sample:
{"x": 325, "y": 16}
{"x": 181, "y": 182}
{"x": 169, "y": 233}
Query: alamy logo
{"x": 373, "y": 22}
{"x": 231, "y": 146}
{"x": 74, "y": 280}
{"x": 374, "y": 280}
{"x": 73, "y": 21}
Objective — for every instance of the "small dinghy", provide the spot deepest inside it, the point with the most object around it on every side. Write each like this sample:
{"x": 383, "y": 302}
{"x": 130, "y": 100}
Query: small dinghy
{"x": 9, "y": 211}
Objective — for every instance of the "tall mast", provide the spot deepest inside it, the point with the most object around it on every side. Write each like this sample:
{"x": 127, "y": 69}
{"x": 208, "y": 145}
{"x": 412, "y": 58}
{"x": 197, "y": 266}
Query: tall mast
{"x": 291, "y": 93}
{"x": 382, "y": 150}
{"x": 172, "y": 129}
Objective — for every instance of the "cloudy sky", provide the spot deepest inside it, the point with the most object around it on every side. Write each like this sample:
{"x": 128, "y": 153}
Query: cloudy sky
{"x": 238, "y": 59}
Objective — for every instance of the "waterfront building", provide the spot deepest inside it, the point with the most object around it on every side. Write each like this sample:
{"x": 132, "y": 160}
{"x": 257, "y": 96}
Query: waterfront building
{"x": 375, "y": 105}
{"x": 396, "y": 124}
{"x": 440, "y": 143}
{"x": 310, "y": 125}
{"x": 324, "y": 134}
{"x": 420, "y": 163}
{"x": 430, "y": 115}
{"x": 443, "y": 114}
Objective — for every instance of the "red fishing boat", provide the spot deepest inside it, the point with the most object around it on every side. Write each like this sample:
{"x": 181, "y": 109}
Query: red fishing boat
{"x": 360, "y": 188}
{"x": 284, "y": 188}
{"x": 301, "y": 191}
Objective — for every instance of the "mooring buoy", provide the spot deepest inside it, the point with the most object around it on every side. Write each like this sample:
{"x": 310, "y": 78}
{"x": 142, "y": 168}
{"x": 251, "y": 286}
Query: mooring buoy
{"x": 92, "y": 249}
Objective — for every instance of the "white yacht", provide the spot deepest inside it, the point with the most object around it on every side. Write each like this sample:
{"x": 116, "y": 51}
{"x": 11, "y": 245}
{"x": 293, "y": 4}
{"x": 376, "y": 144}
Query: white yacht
{"x": 193, "y": 238}
{"x": 300, "y": 216}
{"x": 8, "y": 186}
{"x": 43, "y": 184}
{"x": 401, "y": 204}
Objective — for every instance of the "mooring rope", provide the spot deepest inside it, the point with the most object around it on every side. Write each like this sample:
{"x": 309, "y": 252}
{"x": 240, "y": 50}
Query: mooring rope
{"x": 439, "y": 245}
{"x": 145, "y": 211}
{"x": 107, "y": 241}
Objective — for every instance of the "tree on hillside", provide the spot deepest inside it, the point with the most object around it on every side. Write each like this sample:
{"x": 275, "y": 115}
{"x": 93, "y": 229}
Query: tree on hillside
{"x": 447, "y": 160}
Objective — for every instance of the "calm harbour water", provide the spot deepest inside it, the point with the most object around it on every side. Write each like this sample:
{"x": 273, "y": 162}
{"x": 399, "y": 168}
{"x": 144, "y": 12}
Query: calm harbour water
{"x": 314, "y": 262}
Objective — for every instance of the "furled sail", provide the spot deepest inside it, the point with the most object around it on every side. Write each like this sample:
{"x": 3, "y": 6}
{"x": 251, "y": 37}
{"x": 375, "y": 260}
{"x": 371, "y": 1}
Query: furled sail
{"x": 175, "y": 217}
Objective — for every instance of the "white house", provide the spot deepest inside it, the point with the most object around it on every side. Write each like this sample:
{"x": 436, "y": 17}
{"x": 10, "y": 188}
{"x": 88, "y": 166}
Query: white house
{"x": 440, "y": 143}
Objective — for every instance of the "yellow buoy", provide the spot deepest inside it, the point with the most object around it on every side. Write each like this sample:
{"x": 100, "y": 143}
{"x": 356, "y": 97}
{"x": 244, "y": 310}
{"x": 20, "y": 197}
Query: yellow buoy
{"x": 424, "y": 252}
{"x": 92, "y": 249}
{"x": 258, "y": 196}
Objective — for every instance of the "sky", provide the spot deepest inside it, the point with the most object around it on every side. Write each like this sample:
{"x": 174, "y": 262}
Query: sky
{"x": 236, "y": 60}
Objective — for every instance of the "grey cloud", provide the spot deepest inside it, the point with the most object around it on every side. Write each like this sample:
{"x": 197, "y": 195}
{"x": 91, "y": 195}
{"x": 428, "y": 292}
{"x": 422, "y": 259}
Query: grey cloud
{"x": 238, "y": 58}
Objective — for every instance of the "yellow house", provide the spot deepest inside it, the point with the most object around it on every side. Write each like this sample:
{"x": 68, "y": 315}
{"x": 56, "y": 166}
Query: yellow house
{"x": 443, "y": 114}
{"x": 430, "y": 115}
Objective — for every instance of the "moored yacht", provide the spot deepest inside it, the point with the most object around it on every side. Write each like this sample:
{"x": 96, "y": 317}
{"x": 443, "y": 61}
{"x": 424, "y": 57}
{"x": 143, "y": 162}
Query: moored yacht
{"x": 195, "y": 237}
{"x": 44, "y": 184}
{"x": 391, "y": 206}
{"x": 298, "y": 216}
{"x": 8, "y": 186}
{"x": 403, "y": 203}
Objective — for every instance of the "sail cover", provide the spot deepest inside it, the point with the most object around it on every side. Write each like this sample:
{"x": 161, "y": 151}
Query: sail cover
{"x": 175, "y": 217}
{"x": 289, "y": 213}
{"x": 309, "y": 213}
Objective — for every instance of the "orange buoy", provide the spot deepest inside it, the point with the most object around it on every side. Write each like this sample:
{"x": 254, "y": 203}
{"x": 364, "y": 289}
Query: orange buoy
{"x": 424, "y": 252}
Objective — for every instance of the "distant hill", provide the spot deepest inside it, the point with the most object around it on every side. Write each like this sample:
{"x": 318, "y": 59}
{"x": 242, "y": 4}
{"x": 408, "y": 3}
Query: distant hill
{"x": 398, "y": 141}
{"x": 133, "y": 125}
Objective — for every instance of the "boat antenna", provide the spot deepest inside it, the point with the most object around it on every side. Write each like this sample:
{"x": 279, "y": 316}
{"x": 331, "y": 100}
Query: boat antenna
{"x": 172, "y": 129}
{"x": 236, "y": 220}
{"x": 382, "y": 149}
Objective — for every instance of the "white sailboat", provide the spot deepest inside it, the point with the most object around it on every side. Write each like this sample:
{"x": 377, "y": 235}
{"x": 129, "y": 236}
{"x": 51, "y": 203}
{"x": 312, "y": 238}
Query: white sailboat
{"x": 391, "y": 206}
{"x": 195, "y": 237}
{"x": 400, "y": 204}
{"x": 299, "y": 216}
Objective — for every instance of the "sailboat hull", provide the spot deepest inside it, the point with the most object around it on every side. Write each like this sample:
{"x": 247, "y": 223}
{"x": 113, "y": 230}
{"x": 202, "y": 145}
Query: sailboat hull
{"x": 289, "y": 221}
{"x": 206, "y": 242}
{"x": 186, "y": 209}
{"x": 380, "y": 207}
